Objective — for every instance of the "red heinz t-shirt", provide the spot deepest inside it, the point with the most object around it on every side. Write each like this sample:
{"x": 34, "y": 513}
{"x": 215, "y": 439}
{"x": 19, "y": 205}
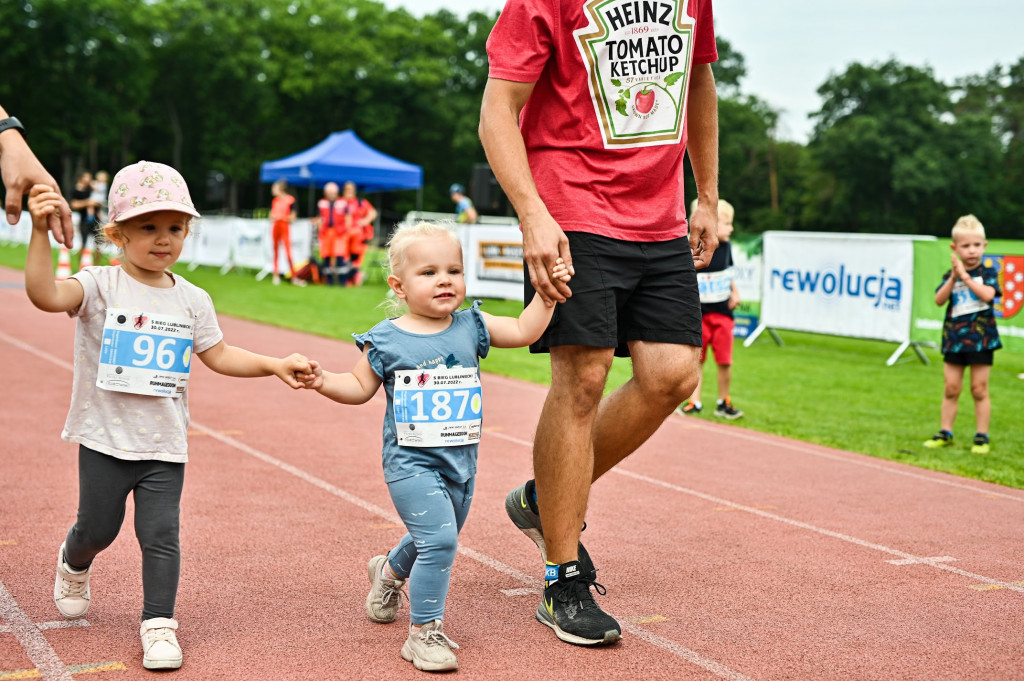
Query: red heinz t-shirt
{"x": 605, "y": 126}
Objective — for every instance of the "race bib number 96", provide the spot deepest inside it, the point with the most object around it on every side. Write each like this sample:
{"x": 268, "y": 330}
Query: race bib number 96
{"x": 438, "y": 407}
{"x": 145, "y": 354}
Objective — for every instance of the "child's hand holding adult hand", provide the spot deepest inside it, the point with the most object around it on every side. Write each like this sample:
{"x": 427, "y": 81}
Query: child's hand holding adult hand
{"x": 42, "y": 203}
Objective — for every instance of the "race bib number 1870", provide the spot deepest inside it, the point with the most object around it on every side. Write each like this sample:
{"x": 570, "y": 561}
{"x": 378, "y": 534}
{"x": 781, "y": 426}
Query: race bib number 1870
{"x": 145, "y": 354}
{"x": 438, "y": 407}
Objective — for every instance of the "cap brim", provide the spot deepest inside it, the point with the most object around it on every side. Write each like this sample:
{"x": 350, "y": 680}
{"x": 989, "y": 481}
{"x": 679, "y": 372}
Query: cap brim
{"x": 154, "y": 207}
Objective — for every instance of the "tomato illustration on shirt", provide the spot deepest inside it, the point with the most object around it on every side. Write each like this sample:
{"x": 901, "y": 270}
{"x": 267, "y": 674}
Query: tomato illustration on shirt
{"x": 644, "y": 100}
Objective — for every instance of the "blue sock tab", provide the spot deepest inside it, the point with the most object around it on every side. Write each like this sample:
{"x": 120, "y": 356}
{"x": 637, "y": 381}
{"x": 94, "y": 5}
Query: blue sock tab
{"x": 550, "y": 573}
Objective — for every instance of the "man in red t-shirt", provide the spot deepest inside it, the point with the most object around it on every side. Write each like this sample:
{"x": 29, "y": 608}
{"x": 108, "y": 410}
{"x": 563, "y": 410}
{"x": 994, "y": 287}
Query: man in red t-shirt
{"x": 332, "y": 224}
{"x": 282, "y": 215}
{"x": 585, "y": 118}
{"x": 359, "y": 232}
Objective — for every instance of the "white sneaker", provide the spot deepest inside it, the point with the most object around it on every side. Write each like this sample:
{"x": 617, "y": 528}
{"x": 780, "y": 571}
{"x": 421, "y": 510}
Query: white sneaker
{"x": 429, "y": 649}
{"x": 71, "y": 590}
{"x": 277, "y": 280}
{"x": 159, "y": 644}
{"x": 385, "y": 597}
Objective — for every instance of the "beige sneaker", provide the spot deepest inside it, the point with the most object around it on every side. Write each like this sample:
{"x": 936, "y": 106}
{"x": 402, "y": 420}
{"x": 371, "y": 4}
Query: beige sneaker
{"x": 385, "y": 597}
{"x": 430, "y": 650}
{"x": 159, "y": 644}
{"x": 71, "y": 589}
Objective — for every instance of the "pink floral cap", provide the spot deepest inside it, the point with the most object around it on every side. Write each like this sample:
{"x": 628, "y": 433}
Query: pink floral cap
{"x": 147, "y": 187}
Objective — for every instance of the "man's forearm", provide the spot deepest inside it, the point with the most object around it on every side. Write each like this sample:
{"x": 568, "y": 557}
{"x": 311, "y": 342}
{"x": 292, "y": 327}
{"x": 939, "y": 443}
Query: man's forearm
{"x": 702, "y": 127}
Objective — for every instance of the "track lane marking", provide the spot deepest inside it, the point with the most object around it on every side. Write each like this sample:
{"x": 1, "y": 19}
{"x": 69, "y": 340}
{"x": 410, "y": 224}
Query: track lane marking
{"x": 32, "y": 641}
{"x": 938, "y": 563}
{"x": 668, "y": 645}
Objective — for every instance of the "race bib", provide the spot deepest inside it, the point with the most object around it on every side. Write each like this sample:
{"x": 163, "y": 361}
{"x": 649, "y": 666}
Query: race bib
{"x": 714, "y": 287}
{"x": 438, "y": 407}
{"x": 964, "y": 300}
{"x": 145, "y": 354}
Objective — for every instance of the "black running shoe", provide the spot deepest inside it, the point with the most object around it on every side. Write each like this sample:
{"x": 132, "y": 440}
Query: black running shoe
{"x": 522, "y": 511}
{"x": 570, "y": 610}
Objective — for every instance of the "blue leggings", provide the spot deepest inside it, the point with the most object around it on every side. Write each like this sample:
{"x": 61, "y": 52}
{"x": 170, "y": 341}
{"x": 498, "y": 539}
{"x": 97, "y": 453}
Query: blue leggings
{"x": 434, "y": 509}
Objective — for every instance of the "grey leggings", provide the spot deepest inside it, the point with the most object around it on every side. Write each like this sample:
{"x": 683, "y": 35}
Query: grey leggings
{"x": 103, "y": 486}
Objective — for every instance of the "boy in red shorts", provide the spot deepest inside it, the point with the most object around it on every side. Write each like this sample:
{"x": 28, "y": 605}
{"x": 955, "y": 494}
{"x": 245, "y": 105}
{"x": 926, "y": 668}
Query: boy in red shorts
{"x": 719, "y": 296}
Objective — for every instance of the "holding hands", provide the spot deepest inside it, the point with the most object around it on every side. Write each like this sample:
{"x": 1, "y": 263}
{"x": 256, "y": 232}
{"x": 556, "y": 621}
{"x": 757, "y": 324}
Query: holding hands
{"x": 295, "y": 370}
{"x": 43, "y": 202}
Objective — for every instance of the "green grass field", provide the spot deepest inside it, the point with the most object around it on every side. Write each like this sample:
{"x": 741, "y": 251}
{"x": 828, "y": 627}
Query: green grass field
{"x": 822, "y": 389}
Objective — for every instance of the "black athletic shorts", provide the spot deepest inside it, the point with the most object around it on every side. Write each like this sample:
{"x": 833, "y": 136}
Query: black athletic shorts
{"x": 625, "y": 291}
{"x": 966, "y": 359}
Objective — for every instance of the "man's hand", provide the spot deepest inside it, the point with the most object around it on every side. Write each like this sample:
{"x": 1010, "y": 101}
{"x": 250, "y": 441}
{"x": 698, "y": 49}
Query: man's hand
{"x": 544, "y": 245}
{"x": 704, "y": 233}
{"x": 21, "y": 170}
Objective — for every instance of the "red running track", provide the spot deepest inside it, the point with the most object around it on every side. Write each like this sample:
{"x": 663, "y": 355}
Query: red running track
{"x": 727, "y": 554}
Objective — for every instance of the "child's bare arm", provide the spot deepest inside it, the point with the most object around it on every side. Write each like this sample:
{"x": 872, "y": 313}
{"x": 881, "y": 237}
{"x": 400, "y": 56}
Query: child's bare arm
{"x": 230, "y": 360}
{"x": 355, "y": 387}
{"x": 512, "y": 332}
{"x": 43, "y": 290}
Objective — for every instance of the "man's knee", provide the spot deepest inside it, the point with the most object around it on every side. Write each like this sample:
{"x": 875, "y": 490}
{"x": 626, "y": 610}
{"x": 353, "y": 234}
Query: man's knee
{"x": 670, "y": 373}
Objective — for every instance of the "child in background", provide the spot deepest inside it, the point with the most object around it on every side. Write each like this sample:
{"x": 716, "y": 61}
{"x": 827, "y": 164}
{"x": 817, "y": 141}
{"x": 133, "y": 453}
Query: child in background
{"x": 719, "y": 296}
{"x": 138, "y": 326}
{"x": 429, "y": 362}
{"x": 969, "y": 333}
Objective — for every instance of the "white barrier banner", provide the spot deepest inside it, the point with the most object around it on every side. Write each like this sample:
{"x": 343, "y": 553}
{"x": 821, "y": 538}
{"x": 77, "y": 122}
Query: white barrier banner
{"x": 857, "y": 285}
{"x": 252, "y": 243}
{"x": 213, "y": 239}
{"x": 747, "y": 273}
{"x": 494, "y": 261}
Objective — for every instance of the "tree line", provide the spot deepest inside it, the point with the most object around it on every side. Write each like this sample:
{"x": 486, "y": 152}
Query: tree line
{"x": 216, "y": 87}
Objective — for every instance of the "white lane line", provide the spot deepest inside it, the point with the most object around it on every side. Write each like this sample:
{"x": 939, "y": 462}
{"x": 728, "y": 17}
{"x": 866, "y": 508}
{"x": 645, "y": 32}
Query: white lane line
{"x": 933, "y": 562}
{"x": 32, "y": 640}
{"x": 903, "y": 556}
{"x": 761, "y": 439}
{"x": 665, "y": 644}
{"x": 918, "y": 561}
{"x": 37, "y": 352}
{"x": 43, "y": 626}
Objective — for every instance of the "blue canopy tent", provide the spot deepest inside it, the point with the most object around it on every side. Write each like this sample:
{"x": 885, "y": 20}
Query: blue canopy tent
{"x": 343, "y": 157}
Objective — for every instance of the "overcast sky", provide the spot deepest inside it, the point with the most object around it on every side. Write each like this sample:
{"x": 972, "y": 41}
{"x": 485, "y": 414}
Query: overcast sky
{"x": 792, "y": 46}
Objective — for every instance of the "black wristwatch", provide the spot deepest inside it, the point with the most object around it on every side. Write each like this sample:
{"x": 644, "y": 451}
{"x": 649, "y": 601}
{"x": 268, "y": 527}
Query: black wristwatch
{"x": 12, "y": 123}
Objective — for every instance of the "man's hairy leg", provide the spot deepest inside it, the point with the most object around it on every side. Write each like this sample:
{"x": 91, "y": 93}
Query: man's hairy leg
{"x": 664, "y": 374}
{"x": 563, "y": 453}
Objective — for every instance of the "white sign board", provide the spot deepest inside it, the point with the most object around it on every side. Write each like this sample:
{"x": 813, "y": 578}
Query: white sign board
{"x": 857, "y": 285}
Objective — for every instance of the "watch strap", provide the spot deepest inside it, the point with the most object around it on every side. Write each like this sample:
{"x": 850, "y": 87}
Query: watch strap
{"x": 12, "y": 123}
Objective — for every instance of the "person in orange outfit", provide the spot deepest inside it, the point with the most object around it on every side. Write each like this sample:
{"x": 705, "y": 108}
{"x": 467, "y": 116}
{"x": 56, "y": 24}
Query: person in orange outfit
{"x": 359, "y": 232}
{"x": 331, "y": 229}
{"x": 282, "y": 214}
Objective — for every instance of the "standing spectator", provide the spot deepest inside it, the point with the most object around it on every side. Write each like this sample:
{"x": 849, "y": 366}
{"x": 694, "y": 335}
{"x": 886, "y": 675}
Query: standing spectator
{"x": 362, "y": 215}
{"x": 465, "y": 212}
{"x": 330, "y": 226}
{"x": 21, "y": 170}
{"x": 83, "y": 202}
{"x": 100, "y": 187}
{"x": 282, "y": 215}
{"x": 970, "y": 336}
{"x": 596, "y": 177}
{"x": 719, "y": 296}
